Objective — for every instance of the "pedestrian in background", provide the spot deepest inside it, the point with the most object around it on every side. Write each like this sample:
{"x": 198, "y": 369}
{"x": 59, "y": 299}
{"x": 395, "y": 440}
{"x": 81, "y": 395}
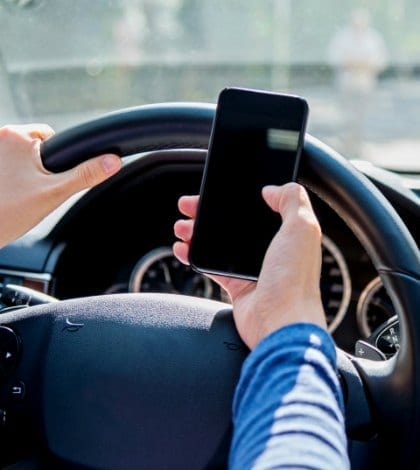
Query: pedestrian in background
{"x": 358, "y": 55}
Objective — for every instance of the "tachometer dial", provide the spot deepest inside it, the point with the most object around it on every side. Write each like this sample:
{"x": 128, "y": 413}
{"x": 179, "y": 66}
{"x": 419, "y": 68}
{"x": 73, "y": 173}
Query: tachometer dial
{"x": 160, "y": 271}
{"x": 335, "y": 283}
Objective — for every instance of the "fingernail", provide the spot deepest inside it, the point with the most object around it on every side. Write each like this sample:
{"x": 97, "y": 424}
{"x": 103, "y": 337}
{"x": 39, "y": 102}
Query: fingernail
{"x": 269, "y": 188}
{"x": 110, "y": 163}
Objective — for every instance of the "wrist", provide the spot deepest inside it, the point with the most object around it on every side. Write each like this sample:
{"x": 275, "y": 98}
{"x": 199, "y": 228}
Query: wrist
{"x": 310, "y": 313}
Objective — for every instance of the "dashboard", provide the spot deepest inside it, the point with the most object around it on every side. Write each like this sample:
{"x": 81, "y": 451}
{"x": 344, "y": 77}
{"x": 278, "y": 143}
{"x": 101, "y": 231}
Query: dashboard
{"x": 117, "y": 238}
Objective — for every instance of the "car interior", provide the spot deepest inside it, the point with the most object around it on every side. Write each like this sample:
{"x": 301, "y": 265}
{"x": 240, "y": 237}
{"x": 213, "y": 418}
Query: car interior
{"x": 113, "y": 354}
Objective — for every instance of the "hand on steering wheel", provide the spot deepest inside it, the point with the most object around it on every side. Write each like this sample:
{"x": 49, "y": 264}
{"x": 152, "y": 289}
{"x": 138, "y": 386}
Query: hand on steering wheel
{"x": 28, "y": 191}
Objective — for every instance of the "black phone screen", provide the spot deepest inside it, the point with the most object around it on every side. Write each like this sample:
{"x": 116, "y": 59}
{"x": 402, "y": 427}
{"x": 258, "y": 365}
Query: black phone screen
{"x": 256, "y": 140}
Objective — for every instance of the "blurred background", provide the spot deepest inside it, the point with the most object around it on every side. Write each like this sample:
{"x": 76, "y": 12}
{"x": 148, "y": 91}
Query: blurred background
{"x": 356, "y": 62}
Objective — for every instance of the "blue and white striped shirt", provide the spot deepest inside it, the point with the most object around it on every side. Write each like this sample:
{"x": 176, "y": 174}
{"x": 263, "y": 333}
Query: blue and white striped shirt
{"x": 288, "y": 405}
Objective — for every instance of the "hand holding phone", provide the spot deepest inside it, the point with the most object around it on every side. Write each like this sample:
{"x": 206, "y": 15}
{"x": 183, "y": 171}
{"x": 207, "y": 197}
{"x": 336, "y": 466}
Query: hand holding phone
{"x": 256, "y": 140}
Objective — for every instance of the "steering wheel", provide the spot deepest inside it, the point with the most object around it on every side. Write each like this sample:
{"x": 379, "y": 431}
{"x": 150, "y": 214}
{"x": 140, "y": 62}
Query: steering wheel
{"x": 146, "y": 380}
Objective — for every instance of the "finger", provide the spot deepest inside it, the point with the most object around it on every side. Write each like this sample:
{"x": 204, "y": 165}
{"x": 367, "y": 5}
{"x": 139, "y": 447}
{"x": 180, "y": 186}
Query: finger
{"x": 188, "y": 205}
{"x": 27, "y": 132}
{"x": 183, "y": 229}
{"x": 181, "y": 251}
{"x": 291, "y": 201}
{"x": 34, "y": 131}
{"x": 39, "y": 131}
{"x": 87, "y": 174}
{"x": 90, "y": 173}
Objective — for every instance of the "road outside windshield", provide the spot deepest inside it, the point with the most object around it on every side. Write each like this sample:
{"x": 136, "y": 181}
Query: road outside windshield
{"x": 356, "y": 62}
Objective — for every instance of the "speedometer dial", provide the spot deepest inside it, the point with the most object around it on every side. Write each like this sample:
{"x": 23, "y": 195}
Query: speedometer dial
{"x": 159, "y": 271}
{"x": 335, "y": 283}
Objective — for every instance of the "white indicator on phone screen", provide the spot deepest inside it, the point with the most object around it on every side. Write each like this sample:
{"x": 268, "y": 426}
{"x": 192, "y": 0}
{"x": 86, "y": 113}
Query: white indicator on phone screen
{"x": 280, "y": 139}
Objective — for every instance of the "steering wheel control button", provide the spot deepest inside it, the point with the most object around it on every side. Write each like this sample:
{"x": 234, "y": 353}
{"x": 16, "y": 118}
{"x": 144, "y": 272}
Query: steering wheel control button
{"x": 17, "y": 391}
{"x": 387, "y": 337}
{"x": 368, "y": 351}
{"x": 9, "y": 351}
{"x": 15, "y": 296}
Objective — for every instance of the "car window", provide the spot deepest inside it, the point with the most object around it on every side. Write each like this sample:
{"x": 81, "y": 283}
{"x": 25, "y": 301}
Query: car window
{"x": 357, "y": 63}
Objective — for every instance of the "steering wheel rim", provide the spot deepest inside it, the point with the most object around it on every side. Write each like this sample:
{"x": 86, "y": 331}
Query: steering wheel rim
{"x": 391, "y": 387}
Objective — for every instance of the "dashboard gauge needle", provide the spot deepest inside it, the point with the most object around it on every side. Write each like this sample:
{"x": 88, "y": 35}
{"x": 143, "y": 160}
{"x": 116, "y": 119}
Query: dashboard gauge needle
{"x": 168, "y": 278}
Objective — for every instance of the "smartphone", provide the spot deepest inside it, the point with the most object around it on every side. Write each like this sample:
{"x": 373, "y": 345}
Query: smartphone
{"x": 257, "y": 138}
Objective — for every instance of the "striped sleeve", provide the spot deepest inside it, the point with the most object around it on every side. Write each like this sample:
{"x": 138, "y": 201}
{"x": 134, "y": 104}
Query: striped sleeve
{"x": 288, "y": 404}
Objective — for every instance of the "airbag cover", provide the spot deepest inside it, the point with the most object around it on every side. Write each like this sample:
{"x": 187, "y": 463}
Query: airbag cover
{"x": 140, "y": 381}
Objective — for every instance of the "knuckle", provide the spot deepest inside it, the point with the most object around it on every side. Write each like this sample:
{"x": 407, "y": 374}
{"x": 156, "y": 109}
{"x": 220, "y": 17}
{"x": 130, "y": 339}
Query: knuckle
{"x": 293, "y": 189}
{"x": 7, "y": 132}
{"x": 306, "y": 221}
{"x": 88, "y": 174}
{"x": 41, "y": 131}
{"x": 312, "y": 226}
{"x": 294, "y": 192}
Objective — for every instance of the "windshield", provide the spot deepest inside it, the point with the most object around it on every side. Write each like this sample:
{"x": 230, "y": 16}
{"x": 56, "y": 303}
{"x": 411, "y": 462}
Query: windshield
{"x": 357, "y": 63}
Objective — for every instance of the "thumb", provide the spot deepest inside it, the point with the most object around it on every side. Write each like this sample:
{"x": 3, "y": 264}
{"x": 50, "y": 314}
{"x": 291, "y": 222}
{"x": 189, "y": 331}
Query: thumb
{"x": 91, "y": 172}
{"x": 291, "y": 201}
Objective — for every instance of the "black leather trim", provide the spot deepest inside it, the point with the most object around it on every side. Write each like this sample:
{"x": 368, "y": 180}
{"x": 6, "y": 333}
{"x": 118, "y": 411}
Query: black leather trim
{"x": 129, "y": 131}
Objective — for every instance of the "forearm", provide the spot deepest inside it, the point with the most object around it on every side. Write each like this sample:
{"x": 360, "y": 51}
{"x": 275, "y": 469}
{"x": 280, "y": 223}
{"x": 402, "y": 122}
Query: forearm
{"x": 288, "y": 404}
